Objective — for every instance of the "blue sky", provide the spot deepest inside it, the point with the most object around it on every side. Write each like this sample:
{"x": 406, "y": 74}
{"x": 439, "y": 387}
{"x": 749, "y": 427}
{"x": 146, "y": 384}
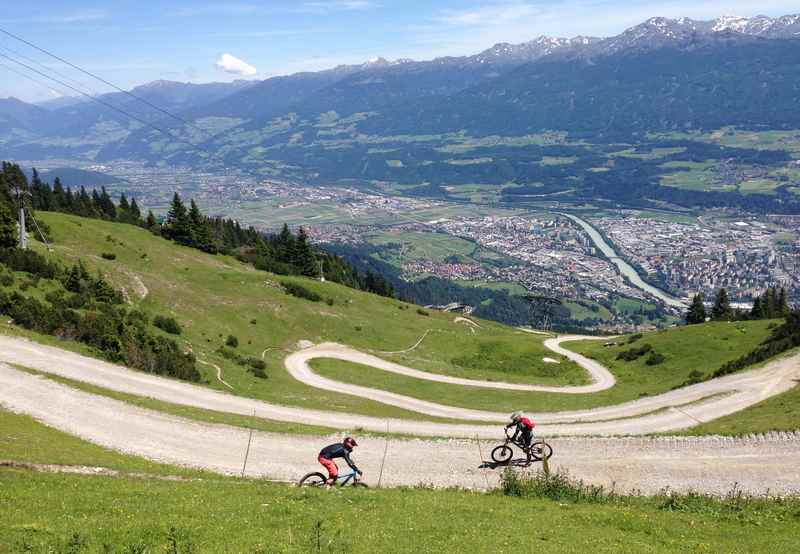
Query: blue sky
{"x": 133, "y": 42}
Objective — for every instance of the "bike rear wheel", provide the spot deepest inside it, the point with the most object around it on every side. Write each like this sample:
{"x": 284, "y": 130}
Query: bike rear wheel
{"x": 314, "y": 479}
{"x": 502, "y": 454}
{"x": 541, "y": 450}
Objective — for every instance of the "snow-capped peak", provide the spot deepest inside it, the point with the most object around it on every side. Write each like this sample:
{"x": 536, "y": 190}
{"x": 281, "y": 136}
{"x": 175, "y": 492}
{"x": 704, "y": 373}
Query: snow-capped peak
{"x": 730, "y": 23}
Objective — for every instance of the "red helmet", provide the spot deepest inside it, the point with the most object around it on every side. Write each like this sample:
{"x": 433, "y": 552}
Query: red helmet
{"x": 349, "y": 443}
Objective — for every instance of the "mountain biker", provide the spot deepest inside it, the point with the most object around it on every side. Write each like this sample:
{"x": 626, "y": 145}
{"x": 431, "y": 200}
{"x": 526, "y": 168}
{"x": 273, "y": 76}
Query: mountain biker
{"x": 524, "y": 428}
{"x": 337, "y": 450}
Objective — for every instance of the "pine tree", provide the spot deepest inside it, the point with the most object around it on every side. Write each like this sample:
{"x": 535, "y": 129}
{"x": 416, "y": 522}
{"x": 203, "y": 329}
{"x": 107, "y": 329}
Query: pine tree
{"x": 758, "y": 311}
{"x": 697, "y": 311}
{"x": 123, "y": 209}
{"x": 136, "y": 213}
{"x": 304, "y": 259}
{"x": 59, "y": 197}
{"x": 783, "y": 304}
{"x": 771, "y": 308}
{"x": 202, "y": 237}
{"x": 722, "y": 307}
{"x": 106, "y": 206}
{"x": 151, "y": 222}
{"x": 8, "y": 226}
{"x": 177, "y": 225}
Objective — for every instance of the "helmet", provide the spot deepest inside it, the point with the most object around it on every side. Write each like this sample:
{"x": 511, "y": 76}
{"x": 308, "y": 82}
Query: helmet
{"x": 349, "y": 443}
{"x": 516, "y": 416}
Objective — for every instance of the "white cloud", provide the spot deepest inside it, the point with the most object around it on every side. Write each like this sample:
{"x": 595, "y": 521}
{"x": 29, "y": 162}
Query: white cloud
{"x": 328, "y": 6}
{"x": 231, "y": 64}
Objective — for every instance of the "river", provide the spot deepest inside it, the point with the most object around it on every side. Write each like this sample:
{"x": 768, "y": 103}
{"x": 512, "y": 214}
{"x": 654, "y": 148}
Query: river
{"x": 624, "y": 267}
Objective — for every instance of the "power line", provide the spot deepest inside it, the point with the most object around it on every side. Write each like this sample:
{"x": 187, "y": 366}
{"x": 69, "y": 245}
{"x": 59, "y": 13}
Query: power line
{"x": 43, "y": 66}
{"x": 112, "y": 85}
{"x": 23, "y": 74}
{"x": 109, "y": 105}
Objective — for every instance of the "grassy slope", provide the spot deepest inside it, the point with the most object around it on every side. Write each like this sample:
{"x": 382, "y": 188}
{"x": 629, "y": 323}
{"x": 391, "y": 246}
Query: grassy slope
{"x": 69, "y": 513}
{"x": 703, "y": 348}
{"x": 214, "y": 296}
{"x": 779, "y": 413}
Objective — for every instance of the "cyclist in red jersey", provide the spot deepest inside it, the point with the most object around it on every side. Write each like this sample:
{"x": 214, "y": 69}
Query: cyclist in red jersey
{"x": 524, "y": 428}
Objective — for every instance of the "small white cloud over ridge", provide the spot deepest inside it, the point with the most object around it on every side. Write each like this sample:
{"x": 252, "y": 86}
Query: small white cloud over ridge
{"x": 231, "y": 64}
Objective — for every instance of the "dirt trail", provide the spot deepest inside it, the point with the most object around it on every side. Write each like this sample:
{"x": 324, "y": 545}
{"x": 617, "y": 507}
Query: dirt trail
{"x": 711, "y": 465}
{"x": 644, "y": 416}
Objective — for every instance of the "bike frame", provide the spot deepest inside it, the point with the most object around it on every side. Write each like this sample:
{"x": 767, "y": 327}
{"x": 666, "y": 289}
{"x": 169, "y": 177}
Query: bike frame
{"x": 518, "y": 443}
{"x": 342, "y": 480}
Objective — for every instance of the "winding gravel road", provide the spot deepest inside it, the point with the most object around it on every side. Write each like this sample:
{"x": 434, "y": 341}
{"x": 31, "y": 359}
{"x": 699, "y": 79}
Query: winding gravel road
{"x": 711, "y": 465}
{"x": 674, "y": 410}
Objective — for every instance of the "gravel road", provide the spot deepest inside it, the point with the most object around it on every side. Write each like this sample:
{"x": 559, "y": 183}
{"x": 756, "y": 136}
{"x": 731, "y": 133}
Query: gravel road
{"x": 674, "y": 410}
{"x": 710, "y": 465}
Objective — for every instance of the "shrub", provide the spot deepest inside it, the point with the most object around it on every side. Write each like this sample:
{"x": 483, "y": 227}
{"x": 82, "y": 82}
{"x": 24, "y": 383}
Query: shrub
{"x": 6, "y": 279}
{"x": 329, "y": 301}
{"x": 634, "y": 338}
{"x": 301, "y": 292}
{"x": 420, "y": 311}
{"x": 634, "y": 353}
{"x": 108, "y": 256}
{"x": 655, "y": 358}
{"x": 232, "y": 341}
{"x": 558, "y": 486}
{"x": 253, "y": 322}
{"x": 167, "y": 324}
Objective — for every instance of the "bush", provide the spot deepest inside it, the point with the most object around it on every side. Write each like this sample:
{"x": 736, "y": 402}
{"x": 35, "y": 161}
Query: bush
{"x": 108, "y": 256}
{"x": 168, "y": 324}
{"x": 6, "y": 279}
{"x": 420, "y": 311}
{"x": 329, "y": 301}
{"x": 634, "y": 338}
{"x": 301, "y": 292}
{"x": 655, "y": 359}
{"x": 558, "y": 486}
{"x": 634, "y": 353}
{"x": 232, "y": 341}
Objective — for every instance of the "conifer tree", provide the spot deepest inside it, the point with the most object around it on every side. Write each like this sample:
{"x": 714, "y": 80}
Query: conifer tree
{"x": 202, "y": 236}
{"x": 722, "y": 307}
{"x": 697, "y": 311}
{"x": 123, "y": 208}
{"x": 758, "y": 311}
{"x": 783, "y": 304}
{"x": 136, "y": 213}
{"x": 177, "y": 225}
{"x": 304, "y": 259}
{"x": 106, "y": 206}
{"x": 8, "y": 226}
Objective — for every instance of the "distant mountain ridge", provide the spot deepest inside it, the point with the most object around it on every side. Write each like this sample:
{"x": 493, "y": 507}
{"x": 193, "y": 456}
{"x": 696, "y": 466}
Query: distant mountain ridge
{"x": 390, "y": 121}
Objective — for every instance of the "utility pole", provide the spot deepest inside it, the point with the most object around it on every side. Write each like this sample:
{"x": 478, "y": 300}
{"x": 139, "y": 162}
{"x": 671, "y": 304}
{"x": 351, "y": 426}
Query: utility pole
{"x": 23, "y": 235}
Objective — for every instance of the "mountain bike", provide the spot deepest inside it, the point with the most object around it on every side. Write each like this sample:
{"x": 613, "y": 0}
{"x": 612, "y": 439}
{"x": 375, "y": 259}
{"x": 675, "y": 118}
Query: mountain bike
{"x": 538, "y": 450}
{"x": 317, "y": 479}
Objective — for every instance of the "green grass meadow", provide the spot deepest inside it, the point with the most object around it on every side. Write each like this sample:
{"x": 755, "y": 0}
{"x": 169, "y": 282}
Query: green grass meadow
{"x": 202, "y": 513}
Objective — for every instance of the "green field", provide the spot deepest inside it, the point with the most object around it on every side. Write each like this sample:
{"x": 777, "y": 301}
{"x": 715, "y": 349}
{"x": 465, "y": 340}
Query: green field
{"x": 193, "y": 512}
{"x": 581, "y": 311}
{"x": 687, "y": 349}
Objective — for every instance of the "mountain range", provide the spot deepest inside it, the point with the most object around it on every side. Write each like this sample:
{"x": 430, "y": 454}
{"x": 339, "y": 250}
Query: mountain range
{"x": 664, "y": 75}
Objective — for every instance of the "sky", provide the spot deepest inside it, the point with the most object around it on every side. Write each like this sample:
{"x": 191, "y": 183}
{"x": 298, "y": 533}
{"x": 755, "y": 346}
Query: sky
{"x": 132, "y": 42}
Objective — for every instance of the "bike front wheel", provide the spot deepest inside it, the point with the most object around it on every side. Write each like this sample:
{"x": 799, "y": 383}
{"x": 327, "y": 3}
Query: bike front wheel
{"x": 502, "y": 454}
{"x": 314, "y": 479}
{"x": 541, "y": 450}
